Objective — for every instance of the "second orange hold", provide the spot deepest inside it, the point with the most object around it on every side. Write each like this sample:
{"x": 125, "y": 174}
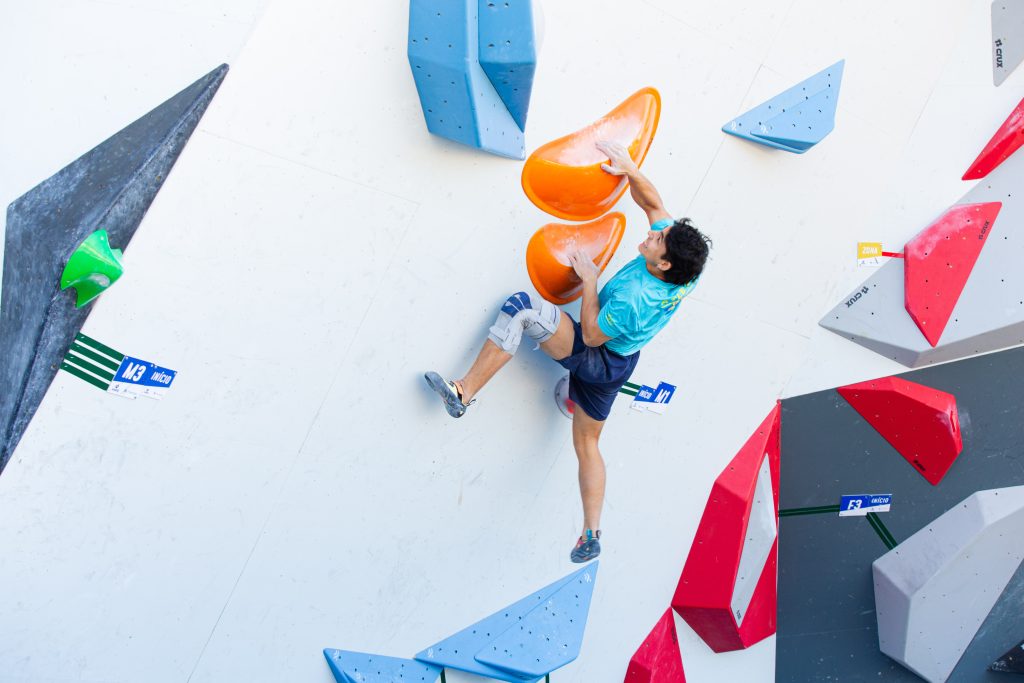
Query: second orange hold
{"x": 564, "y": 177}
{"x": 547, "y": 254}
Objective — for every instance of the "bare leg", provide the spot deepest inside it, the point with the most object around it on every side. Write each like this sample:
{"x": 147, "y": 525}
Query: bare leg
{"x": 585, "y": 434}
{"x": 487, "y": 363}
{"x": 560, "y": 344}
{"x": 491, "y": 359}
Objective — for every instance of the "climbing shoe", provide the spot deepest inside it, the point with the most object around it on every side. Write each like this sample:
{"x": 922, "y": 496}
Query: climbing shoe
{"x": 449, "y": 393}
{"x": 587, "y": 547}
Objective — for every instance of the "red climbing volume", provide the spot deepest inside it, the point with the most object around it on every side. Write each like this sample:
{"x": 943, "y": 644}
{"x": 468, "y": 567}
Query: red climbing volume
{"x": 939, "y": 260}
{"x": 1005, "y": 142}
{"x": 921, "y": 423}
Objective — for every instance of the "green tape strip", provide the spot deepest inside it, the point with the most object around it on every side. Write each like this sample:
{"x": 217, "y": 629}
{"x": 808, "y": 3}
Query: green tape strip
{"x": 88, "y": 366}
{"x": 92, "y": 355}
{"x": 876, "y": 523}
{"x": 883, "y": 533}
{"x": 819, "y": 510}
{"x": 627, "y": 392}
{"x": 892, "y": 539}
{"x": 631, "y": 385}
{"x": 95, "y": 381}
{"x": 117, "y": 355}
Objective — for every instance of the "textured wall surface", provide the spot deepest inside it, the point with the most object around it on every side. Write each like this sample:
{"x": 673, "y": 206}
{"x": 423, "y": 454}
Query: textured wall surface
{"x": 315, "y": 250}
{"x": 827, "y": 624}
{"x": 109, "y": 187}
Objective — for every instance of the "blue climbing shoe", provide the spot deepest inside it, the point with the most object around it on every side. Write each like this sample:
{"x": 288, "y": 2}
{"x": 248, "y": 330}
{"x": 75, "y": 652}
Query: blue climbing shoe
{"x": 449, "y": 393}
{"x": 587, "y": 548}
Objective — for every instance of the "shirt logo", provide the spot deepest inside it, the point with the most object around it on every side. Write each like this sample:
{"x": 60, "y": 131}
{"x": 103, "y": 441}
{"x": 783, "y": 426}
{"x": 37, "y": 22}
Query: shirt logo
{"x": 669, "y": 305}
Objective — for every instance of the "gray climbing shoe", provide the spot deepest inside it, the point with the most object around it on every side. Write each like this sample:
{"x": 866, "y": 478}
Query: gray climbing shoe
{"x": 448, "y": 392}
{"x": 587, "y": 548}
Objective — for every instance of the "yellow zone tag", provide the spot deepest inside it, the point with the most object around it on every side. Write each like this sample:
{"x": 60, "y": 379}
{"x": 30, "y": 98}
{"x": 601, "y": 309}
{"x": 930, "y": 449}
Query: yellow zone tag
{"x": 869, "y": 254}
{"x": 869, "y": 250}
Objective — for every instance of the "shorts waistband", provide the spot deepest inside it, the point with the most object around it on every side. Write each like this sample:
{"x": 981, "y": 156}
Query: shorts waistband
{"x": 615, "y": 353}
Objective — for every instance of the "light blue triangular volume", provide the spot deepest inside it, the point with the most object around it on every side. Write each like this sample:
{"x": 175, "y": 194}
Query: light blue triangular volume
{"x": 508, "y": 52}
{"x": 804, "y": 125}
{"x": 359, "y": 667}
{"x": 457, "y": 651}
{"x": 796, "y": 119}
{"x": 550, "y": 636}
{"x": 459, "y": 103}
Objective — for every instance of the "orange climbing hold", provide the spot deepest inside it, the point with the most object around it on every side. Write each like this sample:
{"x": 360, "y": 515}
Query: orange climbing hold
{"x": 564, "y": 177}
{"x": 547, "y": 254}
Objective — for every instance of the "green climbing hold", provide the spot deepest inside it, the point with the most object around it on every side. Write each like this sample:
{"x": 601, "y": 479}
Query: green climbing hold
{"x": 92, "y": 268}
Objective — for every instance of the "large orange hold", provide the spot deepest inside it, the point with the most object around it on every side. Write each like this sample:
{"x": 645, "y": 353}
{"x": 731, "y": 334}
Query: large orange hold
{"x": 564, "y": 177}
{"x": 547, "y": 254}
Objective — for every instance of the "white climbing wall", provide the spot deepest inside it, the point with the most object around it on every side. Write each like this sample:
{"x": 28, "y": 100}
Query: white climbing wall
{"x": 314, "y": 251}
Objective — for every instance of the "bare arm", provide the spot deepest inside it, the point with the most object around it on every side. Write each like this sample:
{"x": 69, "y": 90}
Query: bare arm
{"x": 590, "y": 307}
{"x": 641, "y": 189}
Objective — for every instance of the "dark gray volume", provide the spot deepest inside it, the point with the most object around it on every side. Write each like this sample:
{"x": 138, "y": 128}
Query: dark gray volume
{"x": 109, "y": 187}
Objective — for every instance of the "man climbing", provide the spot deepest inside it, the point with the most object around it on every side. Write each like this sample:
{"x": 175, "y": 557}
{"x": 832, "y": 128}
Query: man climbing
{"x": 601, "y": 350}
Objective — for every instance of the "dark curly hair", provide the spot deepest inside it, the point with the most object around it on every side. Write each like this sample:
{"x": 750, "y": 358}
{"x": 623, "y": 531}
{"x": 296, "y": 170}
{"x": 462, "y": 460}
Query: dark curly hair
{"x": 686, "y": 248}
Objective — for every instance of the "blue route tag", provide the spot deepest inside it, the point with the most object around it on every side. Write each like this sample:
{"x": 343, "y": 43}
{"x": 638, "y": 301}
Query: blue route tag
{"x": 645, "y": 395}
{"x": 654, "y": 400}
{"x": 664, "y": 393}
{"x": 137, "y": 377}
{"x": 858, "y": 505}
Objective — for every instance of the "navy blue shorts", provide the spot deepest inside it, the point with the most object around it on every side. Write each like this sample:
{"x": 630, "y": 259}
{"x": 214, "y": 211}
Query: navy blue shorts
{"x": 596, "y": 375}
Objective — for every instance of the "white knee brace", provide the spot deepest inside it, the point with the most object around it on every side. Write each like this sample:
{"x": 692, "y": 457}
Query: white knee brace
{"x": 520, "y": 314}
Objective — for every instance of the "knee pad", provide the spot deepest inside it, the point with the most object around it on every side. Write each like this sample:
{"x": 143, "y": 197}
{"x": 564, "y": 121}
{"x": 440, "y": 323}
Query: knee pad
{"x": 522, "y": 314}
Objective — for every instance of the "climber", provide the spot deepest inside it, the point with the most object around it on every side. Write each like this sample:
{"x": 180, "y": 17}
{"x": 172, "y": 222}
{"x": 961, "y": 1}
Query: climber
{"x": 600, "y": 350}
